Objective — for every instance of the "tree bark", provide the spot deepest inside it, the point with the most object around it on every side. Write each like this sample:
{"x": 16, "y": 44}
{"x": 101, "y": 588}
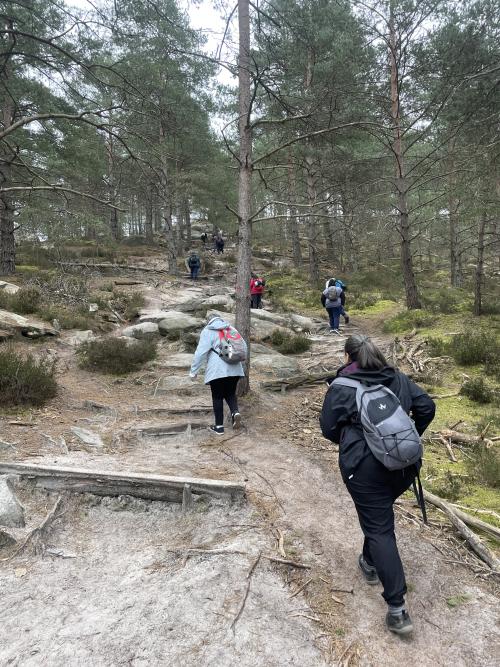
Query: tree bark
{"x": 114, "y": 223}
{"x": 293, "y": 226}
{"x": 187, "y": 221}
{"x": 7, "y": 241}
{"x": 456, "y": 276}
{"x": 312, "y": 230}
{"x": 166, "y": 210}
{"x": 149, "y": 217}
{"x": 244, "y": 186}
{"x": 412, "y": 298}
{"x": 479, "y": 274}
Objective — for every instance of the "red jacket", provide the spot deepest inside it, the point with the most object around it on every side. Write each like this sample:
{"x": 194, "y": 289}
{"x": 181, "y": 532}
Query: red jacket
{"x": 256, "y": 289}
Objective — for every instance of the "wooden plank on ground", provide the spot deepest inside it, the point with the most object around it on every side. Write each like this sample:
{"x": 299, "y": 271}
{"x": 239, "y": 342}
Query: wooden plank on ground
{"x": 107, "y": 483}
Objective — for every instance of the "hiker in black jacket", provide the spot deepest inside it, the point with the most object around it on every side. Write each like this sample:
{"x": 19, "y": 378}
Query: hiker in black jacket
{"x": 373, "y": 487}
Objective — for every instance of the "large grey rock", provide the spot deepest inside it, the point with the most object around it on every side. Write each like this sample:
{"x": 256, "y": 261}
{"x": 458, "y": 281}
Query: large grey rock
{"x": 301, "y": 323}
{"x": 11, "y": 510}
{"x": 258, "y": 348}
{"x": 25, "y": 326}
{"x": 175, "y": 323}
{"x": 8, "y": 288}
{"x": 275, "y": 364}
{"x": 155, "y": 316}
{"x": 142, "y": 331}
{"x": 268, "y": 316}
{"x": 179, "y": 360}
{"x": 88, "y": 437}
{"x": 181, "y": 385}
{"x": 79, "y": 337}
{"x": 260, "y": 329}
{"x": 223, "y": 301}
{"x": 6, "y": 540}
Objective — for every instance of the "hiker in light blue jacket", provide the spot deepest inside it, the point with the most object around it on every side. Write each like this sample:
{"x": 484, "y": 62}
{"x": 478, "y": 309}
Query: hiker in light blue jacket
{"x": 220, "y": 375}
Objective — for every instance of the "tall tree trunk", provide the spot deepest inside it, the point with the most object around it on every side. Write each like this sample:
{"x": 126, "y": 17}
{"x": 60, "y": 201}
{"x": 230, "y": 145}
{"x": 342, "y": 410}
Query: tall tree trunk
{"x": 7, "y": 240}
{"x": 293, "y": 225}
{"x": 312, "y": 227}
{"x": 479, "y": 274}
{"x": 166, "y": 209}
{"x": 114, "y": 223}
{"x": 187, "y": 221}
{"x": 412, "y": 298}
{"x": 244, "y": 185}
{"x": 312, "y": 230}
{"x": 149, "y": 217}
{"x": 456, "y": 277}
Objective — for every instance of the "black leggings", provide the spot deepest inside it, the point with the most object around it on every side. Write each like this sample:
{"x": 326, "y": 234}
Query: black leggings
{"x": 224, "y": 389}
{"x": 374, "y": 490}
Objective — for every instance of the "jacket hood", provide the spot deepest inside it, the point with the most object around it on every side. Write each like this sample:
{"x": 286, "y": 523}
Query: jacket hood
{"x": 217, "y": 323}
{"x": 383, "y": 376}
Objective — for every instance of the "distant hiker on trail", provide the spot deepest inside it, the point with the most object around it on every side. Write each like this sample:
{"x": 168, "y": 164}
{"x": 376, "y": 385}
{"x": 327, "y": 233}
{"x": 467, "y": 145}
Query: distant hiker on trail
{"x": 332, "y": 282}
{"x": 219, "y": 244}
{"x": 204, "y": 238}
{"x": 257, "y": 286}
{"x": 223, "y": 350}
{"x": 194, "y": 264}
{"x": 330, "y": 298}
{"x": 343, "y": 287}
{"x": 366, "y": 411}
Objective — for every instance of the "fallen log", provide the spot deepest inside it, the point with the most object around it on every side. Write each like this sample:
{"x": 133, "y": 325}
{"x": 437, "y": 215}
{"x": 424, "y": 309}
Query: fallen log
{"x": 169, "y": 429}
{"x": 37, "y": 536}
{"x": 106, "y": 483}
{"x": 464, "y": 438}
{"x": 109, "y": 265}
{"x": 471, "y": 538}
{"x": 297, "y": 380}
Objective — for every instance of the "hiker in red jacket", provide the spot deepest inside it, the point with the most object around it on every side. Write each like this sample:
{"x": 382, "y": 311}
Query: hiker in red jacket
{"x": 256, "y": 290}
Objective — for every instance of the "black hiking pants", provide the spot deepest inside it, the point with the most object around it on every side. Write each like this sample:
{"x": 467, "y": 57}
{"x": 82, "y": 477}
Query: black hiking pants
{"x": 224, "y": 389}
{"x": 374, "y": 490}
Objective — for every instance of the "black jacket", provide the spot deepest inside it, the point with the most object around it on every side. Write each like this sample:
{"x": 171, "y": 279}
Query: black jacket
{"x": 339, "y": 416}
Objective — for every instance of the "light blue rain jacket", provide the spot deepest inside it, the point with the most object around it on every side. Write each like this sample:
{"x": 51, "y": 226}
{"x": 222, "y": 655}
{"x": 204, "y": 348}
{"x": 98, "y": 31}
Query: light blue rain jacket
{"x": 216, "y": 367}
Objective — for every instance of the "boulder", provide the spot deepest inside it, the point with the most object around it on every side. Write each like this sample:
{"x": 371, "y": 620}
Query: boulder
{"x": 175, "y": 323}
{"x": 181, "y": 385}
{"x": 179, "y": 360}
{"x": 6, "y": 540}
{"x": 25, "y": 326}
{"x": 88, "y": 437}
{"x": 301, "y": 323}
{"x": 275, "y": 364}
{"x": 223, "y": 301}
{"x": 11, "y": 510}
{"x": 260, "y": 328}
{"x": 268, "y": 316}
{"x": 257, "y": 348}
{"x": 79, "y": 337}
{"x": 142, "y": 331}
{"x": 9, "y": 288}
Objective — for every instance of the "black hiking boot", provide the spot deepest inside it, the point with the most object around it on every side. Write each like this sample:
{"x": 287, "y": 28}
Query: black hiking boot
{"x": 347, "y": 319}
{"x": 217, "y": 430}
{"x": 369, "y": 572}
{"x": 236, "y": 418}
{"x": 400, "y": 624}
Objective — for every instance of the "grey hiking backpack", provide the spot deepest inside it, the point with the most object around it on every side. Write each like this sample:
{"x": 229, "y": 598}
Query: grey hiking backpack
{"x": 389, "y": 432}
{"x": 231, "y": 346}
{"x": 333, "y": 293}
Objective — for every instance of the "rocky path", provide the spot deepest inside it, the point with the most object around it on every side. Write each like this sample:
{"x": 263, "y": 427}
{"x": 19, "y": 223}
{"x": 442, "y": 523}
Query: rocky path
{"x": 124, "y": 589}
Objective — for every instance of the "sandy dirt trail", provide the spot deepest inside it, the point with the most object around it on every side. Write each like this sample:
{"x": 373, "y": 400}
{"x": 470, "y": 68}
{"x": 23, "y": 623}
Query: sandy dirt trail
{"x": 122, "y": 588}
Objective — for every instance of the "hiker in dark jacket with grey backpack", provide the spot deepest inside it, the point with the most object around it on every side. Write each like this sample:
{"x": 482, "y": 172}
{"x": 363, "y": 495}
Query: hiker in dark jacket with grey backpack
{"x": 367, "y": 412}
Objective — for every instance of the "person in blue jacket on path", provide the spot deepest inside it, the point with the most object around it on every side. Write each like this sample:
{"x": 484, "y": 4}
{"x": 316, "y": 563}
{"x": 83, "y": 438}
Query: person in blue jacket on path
{"x": 221, "y": 376}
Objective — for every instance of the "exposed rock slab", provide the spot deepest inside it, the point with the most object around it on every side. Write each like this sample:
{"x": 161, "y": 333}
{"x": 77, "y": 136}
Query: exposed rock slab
{"x": 88, "y": 437}
{"x": 8, "y": 288}
{"x": 179, "y": 360}
{"x": 11, "y": 510}
{"x": 175, "y": 323}
{"x": 142, "y": 331}
{"x": 278, "y": 365}
{"x": 79, "y": 337}
{"x": 25, "y": 326}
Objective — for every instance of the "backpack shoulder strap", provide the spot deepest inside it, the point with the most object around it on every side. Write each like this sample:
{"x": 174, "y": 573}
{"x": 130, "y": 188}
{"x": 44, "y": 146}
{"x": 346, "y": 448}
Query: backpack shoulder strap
{"x": 348, "y": 382}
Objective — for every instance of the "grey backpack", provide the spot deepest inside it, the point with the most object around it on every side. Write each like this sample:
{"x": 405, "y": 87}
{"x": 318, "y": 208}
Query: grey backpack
{"x": 389, "y": 432}
{"x": 231, "y": 346}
